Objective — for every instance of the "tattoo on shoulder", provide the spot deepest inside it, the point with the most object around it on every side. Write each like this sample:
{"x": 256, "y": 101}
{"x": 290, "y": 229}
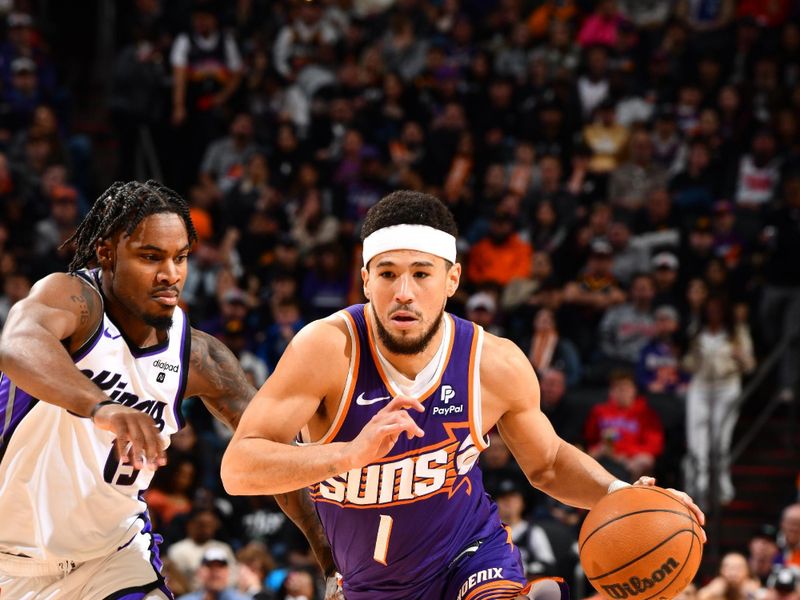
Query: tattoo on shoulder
{"x": 227, "y": 390}
{"x": 86, "y": 302}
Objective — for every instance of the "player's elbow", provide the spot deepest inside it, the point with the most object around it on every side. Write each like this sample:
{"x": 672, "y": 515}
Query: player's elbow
{"x": 234, "y": 477}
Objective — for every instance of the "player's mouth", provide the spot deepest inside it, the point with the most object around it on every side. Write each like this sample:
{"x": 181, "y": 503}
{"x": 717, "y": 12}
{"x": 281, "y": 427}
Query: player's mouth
{"x": 404, "y": 320}
{"x": 166, "y": 298}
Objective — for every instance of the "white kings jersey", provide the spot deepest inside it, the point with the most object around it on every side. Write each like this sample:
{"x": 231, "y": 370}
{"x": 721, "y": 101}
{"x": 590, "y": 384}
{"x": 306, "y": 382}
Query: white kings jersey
{"x": 64, "y": 494}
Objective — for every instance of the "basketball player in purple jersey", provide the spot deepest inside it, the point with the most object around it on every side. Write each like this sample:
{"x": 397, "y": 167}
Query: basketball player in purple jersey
{"x": 94, "y": 366}
{"x": 383, "y": 408}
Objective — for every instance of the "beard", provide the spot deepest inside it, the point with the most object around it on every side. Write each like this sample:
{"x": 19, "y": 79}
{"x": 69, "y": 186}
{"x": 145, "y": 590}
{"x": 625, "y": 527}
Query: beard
{"x": 163, "y": 323}
{"x": 405, "y": 346}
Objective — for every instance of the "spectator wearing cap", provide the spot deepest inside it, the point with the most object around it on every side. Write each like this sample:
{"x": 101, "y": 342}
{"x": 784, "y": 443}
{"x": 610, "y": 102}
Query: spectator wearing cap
{"x": 627, "y": 328}
{"x": 188, "y": 554}
{"x": 719, "y": 355}
{"x": 24, "y": 42}
{"x": 632, "y": 180}
{"x": 624, "y": 433}
{"x": 214, "y": 578}
{"x": 763, "y": 552}
{"x": 481, "y": 308}
{"x": 547, "y": 348}
{"x": 664, "y": 270}
{"x": 658, "y": 370}
{"x": 588, "y": 297}
{"x": 500, "y": 256}
{"x": 23, "y": 93}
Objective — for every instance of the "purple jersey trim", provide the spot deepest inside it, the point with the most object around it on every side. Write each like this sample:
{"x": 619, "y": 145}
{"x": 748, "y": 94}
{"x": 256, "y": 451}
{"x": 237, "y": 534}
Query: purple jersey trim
{"x": 15, "y": 404}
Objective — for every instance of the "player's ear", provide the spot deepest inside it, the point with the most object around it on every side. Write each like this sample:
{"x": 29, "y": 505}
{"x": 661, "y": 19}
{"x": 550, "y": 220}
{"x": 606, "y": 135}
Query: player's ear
{"x": 105, "y": 253}
{"x": 365, "y": 280}
{"x": 453, "y": 278}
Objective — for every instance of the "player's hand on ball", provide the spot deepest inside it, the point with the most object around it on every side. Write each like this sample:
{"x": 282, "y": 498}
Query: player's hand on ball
{"x": 382, "y": 432}
{"x": 138, "y": 441}
{"x": 682, "y": 496}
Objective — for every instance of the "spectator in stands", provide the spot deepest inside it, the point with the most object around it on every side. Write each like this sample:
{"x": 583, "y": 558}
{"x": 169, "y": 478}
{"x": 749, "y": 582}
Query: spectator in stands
{"x": 189, "y": 553}
{"x": 606, "y": 138}
{"x": 555, "y": 405}
{"x": 783, "y": 584}
{"x": 481, "y": 308}
{"x": 658, "y": 370}
{"x": 547, "y": 348}
{"x": 763, "y": 552}
{"x": 214, "y": 578}
{"x": 629, "y": 327}
{"x": 695, "y": 187}
{"x": 633, "y": 179}
{"x": 16, "y": 286}
{"x": 255, "y": 563}
{"x": 789, "y": 536}
{"x": 759, "y": 173}
{"x": 780, "y": 301}
{"x": 718, "y": 356}
{"x": 734, "y": 581}
{"x": 665, "y": 268}
{"x": 224, "y": 159}
{"x": 500, "y": 256}
{"x": 172, "y": 491}
{"x": 624, "y": 433}
{"x": 630, "y": 256}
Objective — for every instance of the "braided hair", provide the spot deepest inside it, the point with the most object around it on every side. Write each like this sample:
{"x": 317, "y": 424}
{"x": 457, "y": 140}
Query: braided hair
{"x": 121, "y": 208}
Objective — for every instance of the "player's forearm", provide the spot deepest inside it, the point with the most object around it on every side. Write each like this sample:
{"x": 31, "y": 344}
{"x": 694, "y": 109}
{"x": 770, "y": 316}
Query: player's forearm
{"x": 300, "y": 509}
{"x": 257, "y": 466}
{"x": 35, "y": 361}
{"x": 574, "y": 478}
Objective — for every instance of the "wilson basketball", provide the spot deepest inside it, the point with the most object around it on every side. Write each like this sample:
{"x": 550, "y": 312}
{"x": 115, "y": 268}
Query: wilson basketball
{"x": 641, "y": 543}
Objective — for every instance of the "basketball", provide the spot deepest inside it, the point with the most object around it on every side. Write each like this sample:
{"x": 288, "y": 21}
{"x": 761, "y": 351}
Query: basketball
{"x": 640, "y": 542}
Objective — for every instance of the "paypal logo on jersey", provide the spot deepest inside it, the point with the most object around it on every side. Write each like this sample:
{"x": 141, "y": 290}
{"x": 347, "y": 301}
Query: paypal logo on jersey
{"x": 447, "y": 394}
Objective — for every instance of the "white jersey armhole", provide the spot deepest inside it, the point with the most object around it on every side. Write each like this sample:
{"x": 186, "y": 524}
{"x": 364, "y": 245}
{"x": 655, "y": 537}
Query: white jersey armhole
{"x": 305, "y": 434}
{"x": 477, "y": 415}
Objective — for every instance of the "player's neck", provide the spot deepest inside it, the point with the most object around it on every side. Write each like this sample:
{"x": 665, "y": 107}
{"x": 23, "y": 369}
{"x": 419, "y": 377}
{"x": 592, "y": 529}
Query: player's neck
{"x": 136, "y": 331}
{"x": 409, "y": 365}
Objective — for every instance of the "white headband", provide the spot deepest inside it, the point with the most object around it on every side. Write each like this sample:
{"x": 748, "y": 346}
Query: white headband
{"x": 410, "y": 237}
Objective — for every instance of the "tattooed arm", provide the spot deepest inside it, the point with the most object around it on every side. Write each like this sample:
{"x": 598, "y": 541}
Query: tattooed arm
{"x": 60, "y": 313}
{"x": 217, "y": 378}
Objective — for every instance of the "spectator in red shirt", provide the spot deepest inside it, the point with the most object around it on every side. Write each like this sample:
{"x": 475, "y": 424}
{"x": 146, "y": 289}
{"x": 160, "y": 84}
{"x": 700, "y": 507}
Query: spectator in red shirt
{"x": 624, "y": 431}
{"x": 500, "y": 256}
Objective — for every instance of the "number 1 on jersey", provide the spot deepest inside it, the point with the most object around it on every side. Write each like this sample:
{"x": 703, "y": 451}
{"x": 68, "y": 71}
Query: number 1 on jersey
{"x": 382, "y": 541}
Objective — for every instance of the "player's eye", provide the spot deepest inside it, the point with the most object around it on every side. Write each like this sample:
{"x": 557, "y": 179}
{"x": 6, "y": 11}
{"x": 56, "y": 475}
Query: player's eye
{"x": 386, "y": 274}
{"x": 181, "y": 258}
{"x": 421, "y": 274}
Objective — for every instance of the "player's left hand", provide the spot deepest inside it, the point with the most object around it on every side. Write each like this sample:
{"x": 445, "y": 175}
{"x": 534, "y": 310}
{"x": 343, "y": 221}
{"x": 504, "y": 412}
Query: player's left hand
{"x": 333, "y": 591}
{"x": 683, "y": 497}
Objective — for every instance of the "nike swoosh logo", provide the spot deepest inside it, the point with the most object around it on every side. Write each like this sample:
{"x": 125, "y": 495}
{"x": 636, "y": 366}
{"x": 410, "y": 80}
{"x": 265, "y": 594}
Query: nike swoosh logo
{"x": 361, "y": 401}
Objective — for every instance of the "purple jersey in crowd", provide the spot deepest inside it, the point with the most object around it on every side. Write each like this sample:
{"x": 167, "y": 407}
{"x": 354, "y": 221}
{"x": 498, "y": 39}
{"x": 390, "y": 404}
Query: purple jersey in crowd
{"x": 396, "y": 524}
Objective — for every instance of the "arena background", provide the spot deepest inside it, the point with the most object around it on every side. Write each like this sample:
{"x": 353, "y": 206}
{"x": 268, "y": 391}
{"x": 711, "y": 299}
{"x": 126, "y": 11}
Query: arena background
{"x": 619, "y": 172}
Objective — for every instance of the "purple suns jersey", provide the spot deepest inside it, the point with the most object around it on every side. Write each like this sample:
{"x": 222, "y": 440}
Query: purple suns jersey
{"x": 397, "y": 523}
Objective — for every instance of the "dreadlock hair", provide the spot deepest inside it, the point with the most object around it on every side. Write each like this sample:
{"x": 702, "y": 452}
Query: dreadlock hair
{"x": 121, "y": 208}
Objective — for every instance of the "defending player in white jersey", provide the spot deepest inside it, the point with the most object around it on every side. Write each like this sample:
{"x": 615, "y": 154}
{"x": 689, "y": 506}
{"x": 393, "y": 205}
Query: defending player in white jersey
{"x": 94, "y": 366}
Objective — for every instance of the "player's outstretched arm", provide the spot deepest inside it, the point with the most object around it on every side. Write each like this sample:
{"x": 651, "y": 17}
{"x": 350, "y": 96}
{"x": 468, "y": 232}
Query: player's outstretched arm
{"x": 216, "y": 376}
{"x": 63, "y": 310}
{"x": 261, "y": 458}
{"x": 511, "y": 397}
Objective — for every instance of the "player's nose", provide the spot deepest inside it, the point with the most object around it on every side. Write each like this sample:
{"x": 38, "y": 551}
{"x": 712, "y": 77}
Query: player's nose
{"x": 403, "y": 293}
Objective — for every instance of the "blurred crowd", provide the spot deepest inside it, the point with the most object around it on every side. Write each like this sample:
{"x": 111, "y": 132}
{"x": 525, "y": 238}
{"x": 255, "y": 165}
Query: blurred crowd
{"x": 625, "y": 176}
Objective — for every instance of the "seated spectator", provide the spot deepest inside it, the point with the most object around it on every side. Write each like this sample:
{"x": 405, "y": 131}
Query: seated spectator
{"x": 633, "y": 179}
{"x": 665, "y": 266}
{"x": 481, "y": 308}
{"x": 171, "y": 492}
{"x": 658, "y": 370}
{"x": 214, "y": 578}
{"x": 500, "y": 256}
{"x": 606, "y": 138}
{"x": 630, "y": 255}
{"x": 763, "y": 552}
{"x": 255, "y": 563}
{"x": 695, "y": 187}
{"x": 783, "y": 584}
{"x": 16, "y": 286}
{"x": 553, "y": 387}
{"x": 312, "y": 226}
{"x": 588, "y": 298}
{"x": 624, "y": 434}
{"x": 547, "y": 348}
{"x": 629, "y": 327}
{"x": 789, "y": 536}
{"x": 734, "y": 581}
{"x": 201, "y": 530}
{"x": 224, "y": 159}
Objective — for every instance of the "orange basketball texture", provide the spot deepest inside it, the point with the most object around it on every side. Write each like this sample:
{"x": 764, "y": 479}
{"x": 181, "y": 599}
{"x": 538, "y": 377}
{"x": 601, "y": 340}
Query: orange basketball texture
{"x": 641, "y": 543}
